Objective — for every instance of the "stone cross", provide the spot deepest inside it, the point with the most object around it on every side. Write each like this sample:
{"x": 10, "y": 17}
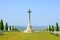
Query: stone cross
{"x": 29, "y": 21}
{"x": 29, "y": 28}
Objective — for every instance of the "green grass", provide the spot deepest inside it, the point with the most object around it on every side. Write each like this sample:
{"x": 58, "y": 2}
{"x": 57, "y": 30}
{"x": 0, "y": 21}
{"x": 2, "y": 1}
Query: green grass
{"x": 29, "y": 36}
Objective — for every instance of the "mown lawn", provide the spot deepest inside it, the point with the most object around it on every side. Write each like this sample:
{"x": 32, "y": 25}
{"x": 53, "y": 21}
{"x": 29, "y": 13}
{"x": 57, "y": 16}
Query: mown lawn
{"x": 30, "y": 36}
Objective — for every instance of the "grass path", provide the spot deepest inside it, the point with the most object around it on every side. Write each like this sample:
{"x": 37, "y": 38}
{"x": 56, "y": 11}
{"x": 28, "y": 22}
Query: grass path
{"x": 30, "y": 36}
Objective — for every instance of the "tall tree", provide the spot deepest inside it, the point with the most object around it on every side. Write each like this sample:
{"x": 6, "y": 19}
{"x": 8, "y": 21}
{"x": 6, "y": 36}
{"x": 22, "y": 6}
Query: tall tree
{"x": 6, "y": 26}
{"x": 1, "y": 25}
{"x": 57, "y": 27}
{"x": 49, "y": 28}
{"x": 52, "y": 28}
{"x": 10, "y": 28}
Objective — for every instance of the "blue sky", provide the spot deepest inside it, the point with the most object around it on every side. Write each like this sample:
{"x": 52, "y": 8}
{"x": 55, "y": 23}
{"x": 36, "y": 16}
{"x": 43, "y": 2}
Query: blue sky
{"x": 44, "y": 12}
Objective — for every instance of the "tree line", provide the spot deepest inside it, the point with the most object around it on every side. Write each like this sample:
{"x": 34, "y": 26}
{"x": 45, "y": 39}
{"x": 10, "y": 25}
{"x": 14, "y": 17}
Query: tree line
{"x": 52, "y": 28}
{"x": 6, "y": 27}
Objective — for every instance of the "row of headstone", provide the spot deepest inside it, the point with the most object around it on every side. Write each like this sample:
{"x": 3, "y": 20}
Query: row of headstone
{"x": 9, "y": 29}
{"x": 56, "y": 33}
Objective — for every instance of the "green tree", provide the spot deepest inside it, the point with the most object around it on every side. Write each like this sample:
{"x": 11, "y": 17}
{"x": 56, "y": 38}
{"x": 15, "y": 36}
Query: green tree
{"x": 57, "y": 27}
{"x": 49, "y": 28}
{"x": 52, "y": 28}
{"x": 2, "y": 26}
{"x": 16, "y": 29}
{"x": 6, "y": 26}
{"x": 10, "y": 28}
{"x": 13, "y": 28}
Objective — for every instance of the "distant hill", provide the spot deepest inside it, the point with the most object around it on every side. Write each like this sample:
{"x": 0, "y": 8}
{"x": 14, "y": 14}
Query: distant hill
{"x": 21, "y": 28}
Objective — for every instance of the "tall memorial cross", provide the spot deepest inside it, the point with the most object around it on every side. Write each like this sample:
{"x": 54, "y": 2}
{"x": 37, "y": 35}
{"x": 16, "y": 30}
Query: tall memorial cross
{"x": 29, "y": 27}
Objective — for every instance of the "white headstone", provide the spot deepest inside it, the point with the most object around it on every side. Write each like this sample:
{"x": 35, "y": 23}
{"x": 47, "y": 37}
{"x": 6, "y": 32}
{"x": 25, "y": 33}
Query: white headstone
{"x": 8, "y": 28}
{"x": 4, "y": 28}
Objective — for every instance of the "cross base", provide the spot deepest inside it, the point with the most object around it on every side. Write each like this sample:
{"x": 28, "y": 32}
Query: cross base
{"x": 28, "y": 30}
